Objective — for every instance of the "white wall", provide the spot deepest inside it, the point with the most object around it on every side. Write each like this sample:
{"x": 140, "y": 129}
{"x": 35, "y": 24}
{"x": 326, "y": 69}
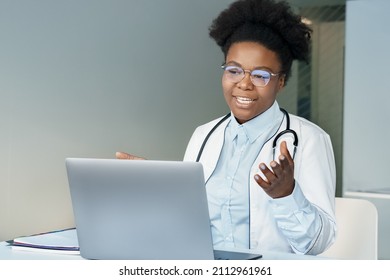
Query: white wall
{"x": 367, "y": 98}
{"x": 87, "y": 78}
{"x": 366, "y": 114}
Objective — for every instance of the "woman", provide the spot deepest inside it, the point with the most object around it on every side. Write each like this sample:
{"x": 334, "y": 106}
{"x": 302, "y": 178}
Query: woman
{"x": 279, "y": 200}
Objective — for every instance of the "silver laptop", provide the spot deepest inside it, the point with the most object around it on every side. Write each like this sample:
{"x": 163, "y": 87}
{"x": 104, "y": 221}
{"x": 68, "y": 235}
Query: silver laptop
{"x": 142, "y": 209}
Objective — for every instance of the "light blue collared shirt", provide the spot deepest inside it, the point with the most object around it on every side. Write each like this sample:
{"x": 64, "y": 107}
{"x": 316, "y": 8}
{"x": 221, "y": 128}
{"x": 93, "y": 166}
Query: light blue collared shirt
{"x": 228, "y": 187}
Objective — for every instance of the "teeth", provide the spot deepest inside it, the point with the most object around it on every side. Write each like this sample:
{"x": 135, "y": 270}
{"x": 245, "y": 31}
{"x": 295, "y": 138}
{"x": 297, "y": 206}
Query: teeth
{"x": 244, "y": 100}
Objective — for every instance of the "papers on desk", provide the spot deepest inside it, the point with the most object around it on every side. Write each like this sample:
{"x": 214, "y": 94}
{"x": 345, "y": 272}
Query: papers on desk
{"x": 58, "y": 242}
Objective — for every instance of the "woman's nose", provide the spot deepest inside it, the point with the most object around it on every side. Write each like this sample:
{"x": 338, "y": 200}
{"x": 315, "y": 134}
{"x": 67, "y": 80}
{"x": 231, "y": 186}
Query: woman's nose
{"x": 246, "y": 82}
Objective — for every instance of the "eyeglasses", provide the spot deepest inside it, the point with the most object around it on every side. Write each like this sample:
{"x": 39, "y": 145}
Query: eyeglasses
{"x": 259, "y": 77}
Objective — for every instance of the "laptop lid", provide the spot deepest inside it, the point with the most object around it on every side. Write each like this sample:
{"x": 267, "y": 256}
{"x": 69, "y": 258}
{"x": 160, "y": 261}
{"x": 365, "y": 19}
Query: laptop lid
{"x": 144, "y": 209}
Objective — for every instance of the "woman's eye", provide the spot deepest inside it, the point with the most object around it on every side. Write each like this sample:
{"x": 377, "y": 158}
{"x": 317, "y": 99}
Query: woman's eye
{"x": 257, "y": 76}
{"x": 234, "y": 71}
{"x": 260, "y": 75}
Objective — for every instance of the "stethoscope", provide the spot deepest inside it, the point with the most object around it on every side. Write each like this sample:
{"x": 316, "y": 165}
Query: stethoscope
{"x": 280, "y": 134}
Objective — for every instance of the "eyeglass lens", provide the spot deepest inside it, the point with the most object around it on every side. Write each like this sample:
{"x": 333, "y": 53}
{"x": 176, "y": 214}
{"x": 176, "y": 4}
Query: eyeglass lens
{"x": 235, "y": 74}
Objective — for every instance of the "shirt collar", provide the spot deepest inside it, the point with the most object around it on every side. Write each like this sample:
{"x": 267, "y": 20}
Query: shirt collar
{"x": 258, "y": 125}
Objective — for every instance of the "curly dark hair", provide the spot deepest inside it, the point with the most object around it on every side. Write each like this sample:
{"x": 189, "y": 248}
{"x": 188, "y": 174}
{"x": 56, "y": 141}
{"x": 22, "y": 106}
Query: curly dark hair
{"x": 269, "y": 23}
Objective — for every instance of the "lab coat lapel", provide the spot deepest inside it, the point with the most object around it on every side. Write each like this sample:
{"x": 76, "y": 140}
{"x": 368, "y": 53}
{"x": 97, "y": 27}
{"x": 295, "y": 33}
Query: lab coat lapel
{"x": 213, "y": 150}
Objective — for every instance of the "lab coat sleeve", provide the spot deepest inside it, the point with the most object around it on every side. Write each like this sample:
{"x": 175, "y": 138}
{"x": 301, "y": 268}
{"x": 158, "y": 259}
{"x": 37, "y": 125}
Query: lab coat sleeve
{"x": 306, "y": 217}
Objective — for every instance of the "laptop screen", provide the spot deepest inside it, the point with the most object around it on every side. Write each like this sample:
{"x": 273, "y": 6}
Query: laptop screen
{"x": 140, "y": 209}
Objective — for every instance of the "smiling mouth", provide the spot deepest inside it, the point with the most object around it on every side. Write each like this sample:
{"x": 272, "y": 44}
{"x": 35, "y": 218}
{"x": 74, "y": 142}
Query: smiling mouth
{"x": 244, "y": 100}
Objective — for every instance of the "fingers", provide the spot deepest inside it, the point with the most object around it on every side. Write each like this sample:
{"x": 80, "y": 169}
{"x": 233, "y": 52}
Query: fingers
{"x": 262, "y": 183}
{"x": 122, "y": 155}
{"x": 285, "y": 159}
{"x": 269, "y": 175}
{"x": 285, "y": 152}
{"x": 278, "y": 180}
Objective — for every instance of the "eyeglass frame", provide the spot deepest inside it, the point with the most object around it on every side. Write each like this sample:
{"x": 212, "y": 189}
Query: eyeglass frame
{"x": 223, "y": 66}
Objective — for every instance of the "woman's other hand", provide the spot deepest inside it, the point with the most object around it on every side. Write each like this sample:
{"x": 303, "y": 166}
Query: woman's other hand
{"x": 123, "y": 155}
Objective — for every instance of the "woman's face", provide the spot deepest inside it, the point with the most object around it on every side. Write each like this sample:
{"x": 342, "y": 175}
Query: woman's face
{"x": 245, "y": 100}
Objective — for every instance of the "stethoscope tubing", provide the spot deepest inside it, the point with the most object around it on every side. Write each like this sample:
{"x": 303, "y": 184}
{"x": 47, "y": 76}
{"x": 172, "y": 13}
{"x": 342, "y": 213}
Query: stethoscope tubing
{"x": 274, "y": 142}
{"x": 280, "y": 134}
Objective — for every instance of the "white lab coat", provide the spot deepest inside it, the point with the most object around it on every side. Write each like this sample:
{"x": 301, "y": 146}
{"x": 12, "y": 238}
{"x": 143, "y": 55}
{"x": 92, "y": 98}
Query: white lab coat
{"x": 303, "y": 222}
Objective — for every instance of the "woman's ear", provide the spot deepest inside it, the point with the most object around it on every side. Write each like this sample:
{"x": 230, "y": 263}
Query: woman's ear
{"x": 281, "y": 82}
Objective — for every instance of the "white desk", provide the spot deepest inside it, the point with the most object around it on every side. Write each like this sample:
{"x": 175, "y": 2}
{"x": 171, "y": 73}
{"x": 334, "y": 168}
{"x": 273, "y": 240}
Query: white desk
{"x": 68, "y": 238}
{"x": 7, "y": 253}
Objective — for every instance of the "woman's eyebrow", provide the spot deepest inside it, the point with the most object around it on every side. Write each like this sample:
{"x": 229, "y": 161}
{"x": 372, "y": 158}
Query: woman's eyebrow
{"x": 232, "y": 62}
